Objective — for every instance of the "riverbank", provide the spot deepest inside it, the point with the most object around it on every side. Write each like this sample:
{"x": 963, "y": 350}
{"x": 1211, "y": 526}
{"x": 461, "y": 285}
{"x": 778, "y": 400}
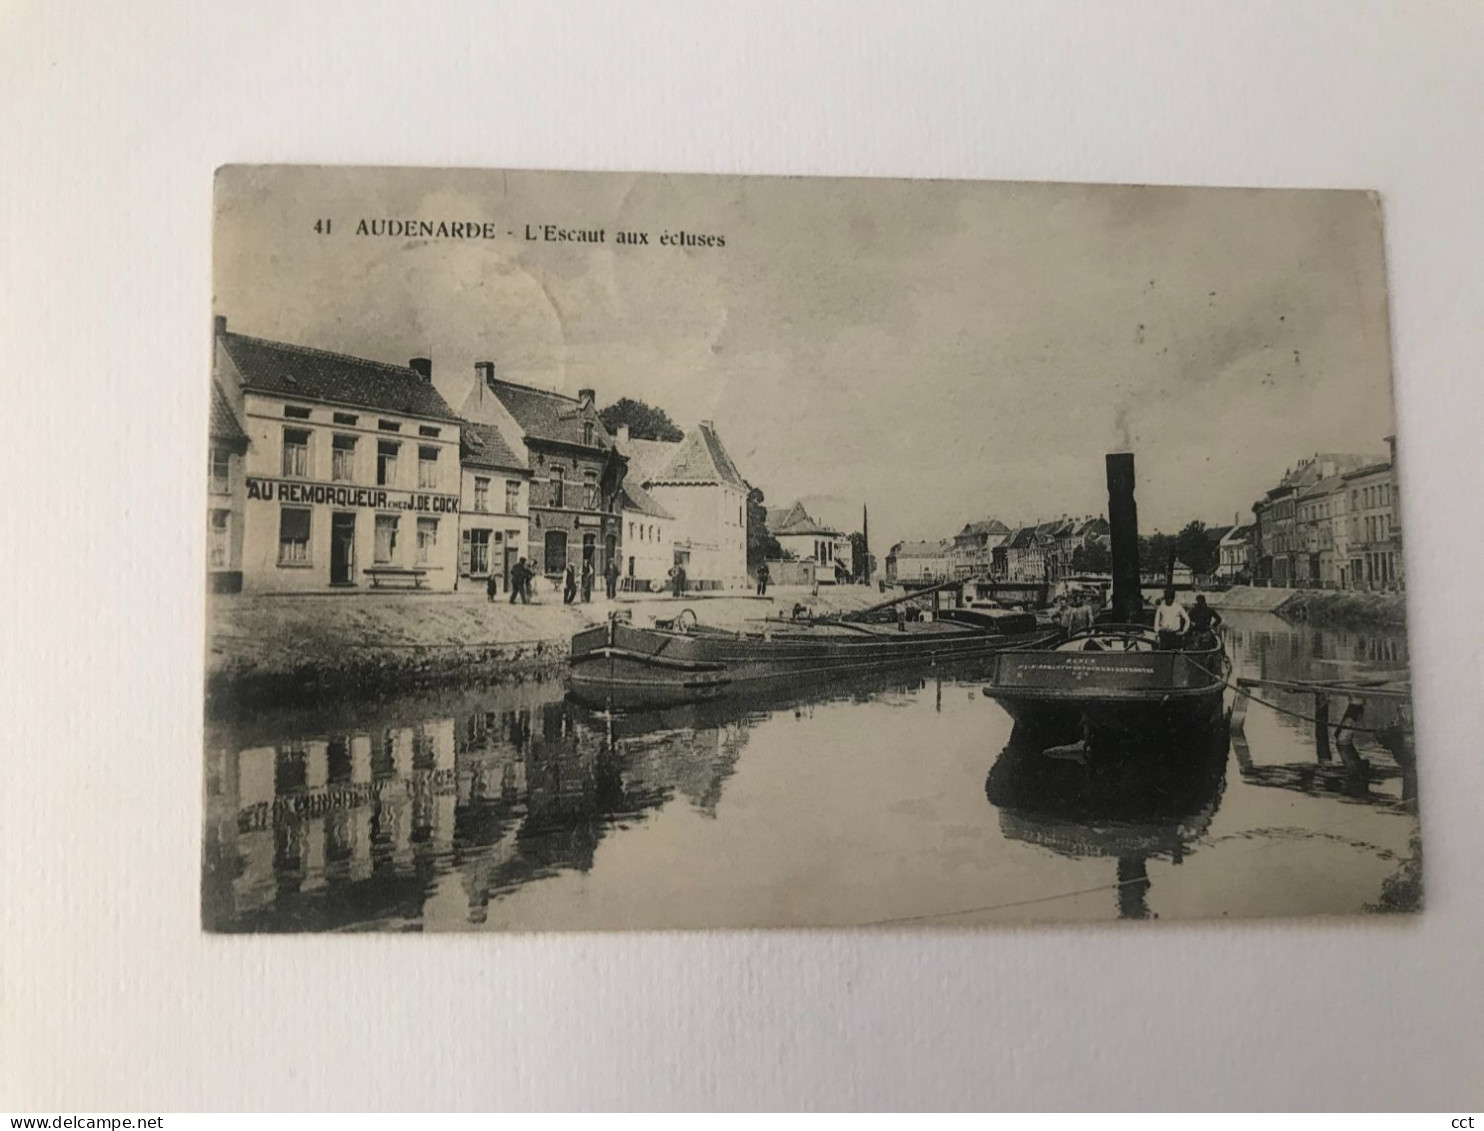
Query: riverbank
{"x": 281, "y": 650}
{"x": 1347, "y": 608}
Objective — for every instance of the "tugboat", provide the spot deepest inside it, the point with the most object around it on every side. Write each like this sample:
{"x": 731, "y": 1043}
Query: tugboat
{"x": 1113, "y": 683}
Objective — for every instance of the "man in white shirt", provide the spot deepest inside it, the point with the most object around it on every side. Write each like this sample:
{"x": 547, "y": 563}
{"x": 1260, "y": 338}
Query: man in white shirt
{"x": 1170, "y": 622}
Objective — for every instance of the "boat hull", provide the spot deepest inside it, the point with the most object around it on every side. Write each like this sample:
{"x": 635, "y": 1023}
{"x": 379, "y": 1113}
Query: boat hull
{"x": 619, "y": 660}
{"x": 1062, "y": 697}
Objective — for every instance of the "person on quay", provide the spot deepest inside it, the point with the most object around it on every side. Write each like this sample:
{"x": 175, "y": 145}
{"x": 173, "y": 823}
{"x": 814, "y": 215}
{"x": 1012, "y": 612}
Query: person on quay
{"x": 677, "y": 580}
{"x": 1203, "y": 622}
{"x": 1171, "y": 622}
{"x": 589, "y": 575}
{"x": 610, "y": 578}
{"x": 491, "y": 586}
{"x": 763, "y": 577}
{"x": 518, "y": 582}
{"x": 569, "y": 584}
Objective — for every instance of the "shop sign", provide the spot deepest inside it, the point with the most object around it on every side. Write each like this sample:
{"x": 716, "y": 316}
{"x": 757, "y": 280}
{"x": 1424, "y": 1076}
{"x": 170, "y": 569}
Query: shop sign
{"x": 341, "y": 495}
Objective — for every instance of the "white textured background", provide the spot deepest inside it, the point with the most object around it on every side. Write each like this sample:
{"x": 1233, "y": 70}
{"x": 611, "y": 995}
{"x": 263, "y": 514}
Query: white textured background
{"x": 112, "y": 117}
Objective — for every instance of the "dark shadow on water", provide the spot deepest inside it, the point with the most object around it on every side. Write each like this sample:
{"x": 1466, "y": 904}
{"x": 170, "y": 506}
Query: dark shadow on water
{"x": 1132, "y": 802}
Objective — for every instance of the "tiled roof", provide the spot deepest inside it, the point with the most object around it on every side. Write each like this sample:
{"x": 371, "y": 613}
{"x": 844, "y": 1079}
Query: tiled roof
{"x": 647, "y": 458}
{"x": 700, "y": 457}
{"x": 544, "y": 415}
{"x": 483, "y": 446}
{"x": 1239, "y": 533}
{"x": 301, "y": 372}
{"x": 919, "y": 550}
{"x": 1021, "y": 539}
{"x": 1371, "y": 469}
{"x": 224, "y": 424}
{"x": 796, "y": 520}
{"x": 636, "y": 498}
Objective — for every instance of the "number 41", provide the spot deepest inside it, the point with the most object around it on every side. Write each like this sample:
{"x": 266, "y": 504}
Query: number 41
{"x": 322, "y": 227}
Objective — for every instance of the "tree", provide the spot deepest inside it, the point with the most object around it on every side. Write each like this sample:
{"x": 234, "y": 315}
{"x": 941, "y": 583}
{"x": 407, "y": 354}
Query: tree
{"x": 862, "y": 561}
{"x": 1154, "y": 553}
{"x": 1194, "y": 548}
{"x": 1092, "y": 557}
{"x": 645, "y": 422}
{"x": 761, "y": 546}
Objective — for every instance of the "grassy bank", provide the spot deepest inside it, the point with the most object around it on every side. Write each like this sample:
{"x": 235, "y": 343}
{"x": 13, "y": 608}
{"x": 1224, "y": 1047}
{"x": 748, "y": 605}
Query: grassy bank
{"x": 278, "y": 651}
{"x": 1345, "y": 609}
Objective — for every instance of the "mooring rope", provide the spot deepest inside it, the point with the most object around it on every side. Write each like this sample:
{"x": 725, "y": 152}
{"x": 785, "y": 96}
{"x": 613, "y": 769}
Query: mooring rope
{"x": 1282, "y": 710}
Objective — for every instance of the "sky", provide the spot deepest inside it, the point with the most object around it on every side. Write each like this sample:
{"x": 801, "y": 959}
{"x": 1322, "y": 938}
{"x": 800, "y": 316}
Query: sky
{"x": 942, "y": 351}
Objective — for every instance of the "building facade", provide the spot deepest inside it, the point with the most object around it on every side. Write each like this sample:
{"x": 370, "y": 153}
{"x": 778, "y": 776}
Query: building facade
{"x": 1374, "y": 539}
{"x": 648, "y": 540}
{"x": 1234, "y": 553}
{"x": 799, "y": 534}
{"x": 972, "y": 550}
{"x": 226, "y": 491}
{"x": 576, "y": 472}
{"x": 695, "y": 481}
{"x": 494, "y": 501}
{"x": 922, "y": 561}
{"x": 350, "y": 477}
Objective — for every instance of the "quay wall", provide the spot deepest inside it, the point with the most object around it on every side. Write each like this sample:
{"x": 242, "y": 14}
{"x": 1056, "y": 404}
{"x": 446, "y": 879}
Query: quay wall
{"x": 276, "y": 650}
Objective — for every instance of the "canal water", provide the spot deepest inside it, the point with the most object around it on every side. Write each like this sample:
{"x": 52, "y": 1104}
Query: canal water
{"x": 899, "y": 799}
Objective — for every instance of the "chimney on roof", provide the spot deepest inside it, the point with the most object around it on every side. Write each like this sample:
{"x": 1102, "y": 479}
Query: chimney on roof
{"x": 484, "y": 372}
{"x": 423, "y": 366}
{"x": 623, "y": 433}
{"x": 585, "y": 397}
{"x": 219, "y": 325}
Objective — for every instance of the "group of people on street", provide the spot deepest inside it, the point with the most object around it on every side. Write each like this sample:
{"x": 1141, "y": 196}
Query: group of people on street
{"x": 522, "y": 574}
{"x": 574, "y": 580}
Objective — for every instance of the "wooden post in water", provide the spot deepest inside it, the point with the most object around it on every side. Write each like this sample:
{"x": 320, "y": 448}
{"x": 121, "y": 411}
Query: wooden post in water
{"x": 1321, "y": 726}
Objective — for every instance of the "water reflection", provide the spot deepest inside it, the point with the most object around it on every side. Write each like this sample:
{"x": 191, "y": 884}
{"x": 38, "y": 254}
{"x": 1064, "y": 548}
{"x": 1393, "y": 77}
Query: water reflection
{"x": 902, "y": 797}
{"x": 1135, "y": 804}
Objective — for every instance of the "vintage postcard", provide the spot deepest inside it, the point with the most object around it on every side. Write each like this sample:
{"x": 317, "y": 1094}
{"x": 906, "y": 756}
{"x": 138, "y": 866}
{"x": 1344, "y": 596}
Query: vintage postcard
{"x": 596, "y": 551}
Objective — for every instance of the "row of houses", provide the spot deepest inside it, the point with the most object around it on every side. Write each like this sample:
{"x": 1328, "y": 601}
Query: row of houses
{"x": 332, "y": 472}
{"x": 1333, "y": 521}
{"x": 1042, "y": 551}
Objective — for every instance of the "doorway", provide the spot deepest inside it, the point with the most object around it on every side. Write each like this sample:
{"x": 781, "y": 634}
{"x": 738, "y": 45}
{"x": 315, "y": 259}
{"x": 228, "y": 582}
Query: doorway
{"x": 508, "y": 566}
{"x": 342, "y": 549}
{"x": 589, "y": 549}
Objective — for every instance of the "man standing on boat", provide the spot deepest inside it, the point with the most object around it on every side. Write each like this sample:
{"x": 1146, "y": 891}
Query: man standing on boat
{"x": 1171, "y": 622}
{"x": 1203, "y": 622}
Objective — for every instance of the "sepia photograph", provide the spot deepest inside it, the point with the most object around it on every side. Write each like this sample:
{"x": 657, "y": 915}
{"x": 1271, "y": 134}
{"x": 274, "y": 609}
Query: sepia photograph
{"x": 598, "y": 551}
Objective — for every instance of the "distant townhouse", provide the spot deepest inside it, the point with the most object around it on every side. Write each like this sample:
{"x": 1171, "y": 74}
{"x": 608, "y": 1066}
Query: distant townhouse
{"x": 1292, "y": 518}
{"x": 1025, "y": 555}
{"x": 800, "y": 534}
{"x": 695, "y": 481}
{"x": 972, "y": 550}
{"x": 1234, "y": 553}
{"x": 226, "y": 492}
{"x": 1374, "y": 540}
{"x": 921, "y": 561}
{"x": 494, "y": 494}
{"x": 576, "y": 471}
{"x": 350, "y": 476}
{"x": 649, "y": 539}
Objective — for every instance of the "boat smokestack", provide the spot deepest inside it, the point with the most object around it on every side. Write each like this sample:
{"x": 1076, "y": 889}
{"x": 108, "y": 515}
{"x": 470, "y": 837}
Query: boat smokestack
{"x": 1123, "y": 536}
